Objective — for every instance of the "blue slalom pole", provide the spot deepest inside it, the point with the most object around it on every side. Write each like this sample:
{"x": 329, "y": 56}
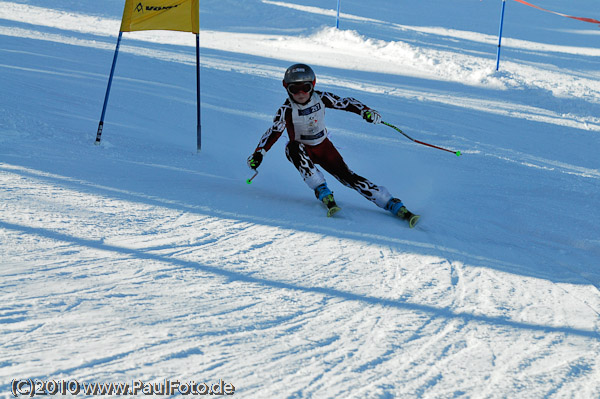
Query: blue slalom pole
{"x": 337, "y": 20}
{"x": 199, "y": 127}
{"x": 110, "y": 78}
{"x": 500, "y": 35}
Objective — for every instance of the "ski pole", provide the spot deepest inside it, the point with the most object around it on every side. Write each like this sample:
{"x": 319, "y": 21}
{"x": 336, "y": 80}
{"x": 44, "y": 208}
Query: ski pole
{"x": 458, "y": 154}
{"x": 249, "y": 181}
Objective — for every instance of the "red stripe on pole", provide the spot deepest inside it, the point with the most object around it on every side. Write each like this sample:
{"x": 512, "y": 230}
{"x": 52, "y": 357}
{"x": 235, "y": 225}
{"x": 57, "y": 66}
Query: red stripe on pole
{"x": 435, "y": 146}
{"x": 591, "y": 20}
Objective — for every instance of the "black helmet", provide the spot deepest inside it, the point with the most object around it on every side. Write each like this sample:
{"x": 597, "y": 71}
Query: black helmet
{"x": 299, "y": 73}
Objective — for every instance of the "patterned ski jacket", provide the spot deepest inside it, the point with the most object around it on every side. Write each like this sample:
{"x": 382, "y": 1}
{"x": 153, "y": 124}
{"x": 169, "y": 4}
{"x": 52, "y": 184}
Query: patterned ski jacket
{"x": 306, "y": 123}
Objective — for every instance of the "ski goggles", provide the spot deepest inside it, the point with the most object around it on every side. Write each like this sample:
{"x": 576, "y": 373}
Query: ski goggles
{"x": 296, "y": 88}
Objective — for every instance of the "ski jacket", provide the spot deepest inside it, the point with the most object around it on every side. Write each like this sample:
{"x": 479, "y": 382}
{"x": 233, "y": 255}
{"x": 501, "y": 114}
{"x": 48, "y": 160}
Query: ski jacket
{"x": 306, "y": 123}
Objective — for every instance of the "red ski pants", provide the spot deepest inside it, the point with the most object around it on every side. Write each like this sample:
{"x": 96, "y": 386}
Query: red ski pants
{"x": 304, "y": 157}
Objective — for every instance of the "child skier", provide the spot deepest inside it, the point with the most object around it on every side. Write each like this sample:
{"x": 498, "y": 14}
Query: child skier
{"x": 303, "y": 115}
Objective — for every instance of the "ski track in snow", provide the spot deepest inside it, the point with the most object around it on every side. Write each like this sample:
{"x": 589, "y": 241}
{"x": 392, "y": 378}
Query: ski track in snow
{"x": 351, "y": 49}
{"x": 497, "y": 107}
{"x": 106, "y": 277}
{"x": 112, "y": 261}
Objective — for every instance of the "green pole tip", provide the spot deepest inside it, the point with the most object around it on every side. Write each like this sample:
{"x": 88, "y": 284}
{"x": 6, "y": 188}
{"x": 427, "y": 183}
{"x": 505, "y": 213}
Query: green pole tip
{"x": 248, "y": 181}
{"x": 458, "y": 154}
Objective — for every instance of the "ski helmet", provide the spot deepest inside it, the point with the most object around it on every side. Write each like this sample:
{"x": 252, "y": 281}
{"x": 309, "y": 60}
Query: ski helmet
{"x": 299, "y": 73}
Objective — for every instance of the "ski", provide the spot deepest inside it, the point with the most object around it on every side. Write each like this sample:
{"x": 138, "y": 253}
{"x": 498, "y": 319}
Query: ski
{"x": 404, "y": 213}
{"x": 332, "y": 207}
{"x": 412, "y": 220}
{"x": 333, "y": 210}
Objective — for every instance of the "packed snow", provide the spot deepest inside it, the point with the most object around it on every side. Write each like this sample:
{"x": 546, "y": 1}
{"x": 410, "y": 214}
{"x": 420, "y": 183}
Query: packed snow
{"x": 144, "y": 260}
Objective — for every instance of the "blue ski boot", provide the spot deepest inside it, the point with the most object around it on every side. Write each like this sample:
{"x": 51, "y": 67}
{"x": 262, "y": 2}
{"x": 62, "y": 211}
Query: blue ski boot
{"x": 396, "y": 207}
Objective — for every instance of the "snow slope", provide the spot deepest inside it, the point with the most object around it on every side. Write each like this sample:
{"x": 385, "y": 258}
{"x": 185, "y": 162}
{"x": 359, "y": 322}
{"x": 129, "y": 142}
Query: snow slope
{"x": 141, "y": 259}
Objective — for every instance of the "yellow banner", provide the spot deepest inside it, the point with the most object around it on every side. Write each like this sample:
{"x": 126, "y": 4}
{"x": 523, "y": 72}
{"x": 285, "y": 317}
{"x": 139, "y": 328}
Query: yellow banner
{"x": 179, "y": 15}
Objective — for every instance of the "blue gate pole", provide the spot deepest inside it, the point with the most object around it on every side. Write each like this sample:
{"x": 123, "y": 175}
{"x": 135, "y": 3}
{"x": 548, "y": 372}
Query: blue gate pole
{"x": 500, "y": 35}
{"x": 199, "y": 127}
{"x": 110, "y": 78}
{"x": 337, "y": 20}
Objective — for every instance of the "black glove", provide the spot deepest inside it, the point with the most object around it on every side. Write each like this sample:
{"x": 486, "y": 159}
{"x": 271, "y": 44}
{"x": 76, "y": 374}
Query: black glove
{"x": 371, "y": 116}
{"x": 255, "y": 159}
